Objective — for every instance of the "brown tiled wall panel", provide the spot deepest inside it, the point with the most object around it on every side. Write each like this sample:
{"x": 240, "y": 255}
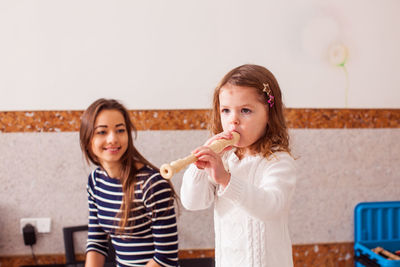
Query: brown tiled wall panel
{"x": 343, "y": 118}
{"x": 321, "y": 255}
{"x": 69, "y": 121}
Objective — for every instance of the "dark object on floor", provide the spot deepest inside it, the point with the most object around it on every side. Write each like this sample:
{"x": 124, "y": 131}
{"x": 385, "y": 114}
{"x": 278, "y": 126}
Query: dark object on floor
{"x": 201, "y": 262}
{"x": 68, "y": 233}
{"x": 70, "y": 258}
{"x": 365, "y": 260}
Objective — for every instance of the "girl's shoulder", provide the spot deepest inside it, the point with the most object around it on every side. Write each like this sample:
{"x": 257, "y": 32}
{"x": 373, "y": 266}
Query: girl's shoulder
{"x": 151, "y": 182}
{"x": 97, "y": 173}
{"x": 279, "y": 160}
{"x": 280, "y": 156}
{"x": 275, "y": 160}
{"x": 150, "y": 176}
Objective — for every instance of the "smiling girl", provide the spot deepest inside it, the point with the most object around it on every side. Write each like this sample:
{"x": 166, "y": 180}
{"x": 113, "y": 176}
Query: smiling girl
{"x": 250, "y": 186}
{"x": 129, "y": 202}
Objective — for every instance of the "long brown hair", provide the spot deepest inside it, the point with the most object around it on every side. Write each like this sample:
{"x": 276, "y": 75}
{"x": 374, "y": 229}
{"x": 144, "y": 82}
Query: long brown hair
{"x": 276, "y": 137}
{"x": 131, "y": 156}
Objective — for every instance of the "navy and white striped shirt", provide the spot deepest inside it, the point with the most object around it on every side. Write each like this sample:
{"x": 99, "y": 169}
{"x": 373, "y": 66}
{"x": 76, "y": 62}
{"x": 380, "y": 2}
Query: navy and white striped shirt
{"x": 154, "y": 235}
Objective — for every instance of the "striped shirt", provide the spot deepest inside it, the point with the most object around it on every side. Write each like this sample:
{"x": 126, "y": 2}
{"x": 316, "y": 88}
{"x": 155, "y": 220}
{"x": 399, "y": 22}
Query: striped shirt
{"x": 154, "y": 234}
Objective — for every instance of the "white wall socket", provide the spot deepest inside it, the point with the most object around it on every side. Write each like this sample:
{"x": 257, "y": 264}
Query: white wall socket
{"x": 42, "y": 225}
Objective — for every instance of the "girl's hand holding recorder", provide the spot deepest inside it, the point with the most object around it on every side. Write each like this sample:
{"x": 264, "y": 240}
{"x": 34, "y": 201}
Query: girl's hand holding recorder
{"x": 211, "y": 161}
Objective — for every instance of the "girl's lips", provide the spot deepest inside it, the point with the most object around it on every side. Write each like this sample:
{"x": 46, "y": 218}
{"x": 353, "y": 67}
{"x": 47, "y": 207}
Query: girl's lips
{"x": 112, "y": 149}
{"x": 235, "y": 131}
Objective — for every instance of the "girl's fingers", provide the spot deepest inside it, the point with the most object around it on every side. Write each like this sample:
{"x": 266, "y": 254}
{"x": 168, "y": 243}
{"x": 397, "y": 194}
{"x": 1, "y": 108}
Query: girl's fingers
{"x": 201, "y": 150}
{"x": 206, "y": 158}
{"x": 197, "y": 150}
{"x": 200, "y": 164}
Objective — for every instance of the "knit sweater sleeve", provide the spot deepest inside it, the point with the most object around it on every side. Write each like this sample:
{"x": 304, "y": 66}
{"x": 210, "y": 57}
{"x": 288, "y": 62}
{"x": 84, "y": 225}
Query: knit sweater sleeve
{"x": 197, "y": 191}
{"x": 97, "y": 238}
{"x": 270, "y": 198}
{"x": 158, "y": 201}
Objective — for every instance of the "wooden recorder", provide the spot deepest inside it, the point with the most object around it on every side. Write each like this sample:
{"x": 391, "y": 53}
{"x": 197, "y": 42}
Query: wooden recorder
{"x": 168, "y": 170}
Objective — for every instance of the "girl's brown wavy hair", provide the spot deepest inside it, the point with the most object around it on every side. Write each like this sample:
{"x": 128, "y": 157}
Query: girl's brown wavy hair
{"x": 276, "y": 137}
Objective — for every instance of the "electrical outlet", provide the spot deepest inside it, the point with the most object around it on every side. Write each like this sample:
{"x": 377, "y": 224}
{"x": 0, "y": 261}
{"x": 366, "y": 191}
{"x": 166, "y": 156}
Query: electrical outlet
{"x": 42, "y": 225}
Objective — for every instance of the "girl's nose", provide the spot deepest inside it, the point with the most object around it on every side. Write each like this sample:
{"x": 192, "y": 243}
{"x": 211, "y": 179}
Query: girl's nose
{"x": 234, "y": 119}
{"x": 111, "y": 137}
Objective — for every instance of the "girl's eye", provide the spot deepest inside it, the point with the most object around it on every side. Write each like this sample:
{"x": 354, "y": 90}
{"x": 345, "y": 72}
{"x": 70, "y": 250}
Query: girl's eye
{"x": 101, "y": 132}
{"x": 246, "y": 111}
{"x": 224, "y": 110}
{"x": 120, "y": 130}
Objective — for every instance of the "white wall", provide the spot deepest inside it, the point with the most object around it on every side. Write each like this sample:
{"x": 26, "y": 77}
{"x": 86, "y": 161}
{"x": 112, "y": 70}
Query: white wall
{"x": 65, "y": 54}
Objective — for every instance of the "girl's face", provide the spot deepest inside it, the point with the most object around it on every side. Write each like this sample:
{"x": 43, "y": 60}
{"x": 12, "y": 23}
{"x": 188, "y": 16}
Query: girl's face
{"x": 110, "y": 138}
{"x": 242, "y": 111}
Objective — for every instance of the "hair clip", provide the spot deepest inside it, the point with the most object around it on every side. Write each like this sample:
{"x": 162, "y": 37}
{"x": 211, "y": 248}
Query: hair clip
{"x": 267, "y": 90}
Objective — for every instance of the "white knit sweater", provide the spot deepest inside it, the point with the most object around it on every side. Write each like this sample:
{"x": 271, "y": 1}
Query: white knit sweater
{"x": 251, "y": 214}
